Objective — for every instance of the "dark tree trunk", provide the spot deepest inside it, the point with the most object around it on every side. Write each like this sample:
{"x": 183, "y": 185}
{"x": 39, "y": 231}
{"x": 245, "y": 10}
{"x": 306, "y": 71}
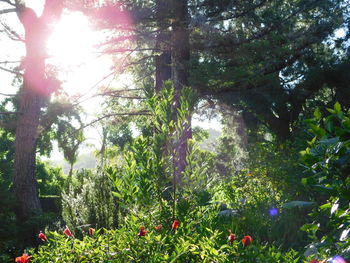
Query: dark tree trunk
{"x": 30, "y": 102}
{"x": 25, "y": 185}
{"x": 70, "y": 174}
{"x": 180, "y": 45}
{"x": 180, "y": 73}
{"x": 163, "y": 61}
{"x": 31, "y": 99}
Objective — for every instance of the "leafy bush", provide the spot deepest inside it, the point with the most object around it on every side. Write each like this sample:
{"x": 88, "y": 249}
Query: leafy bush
{"x": 259, "y": 210}
{"x": 89, "y": 200}
{"x": 193, "y": 241}
{"x": 327, "y": 159}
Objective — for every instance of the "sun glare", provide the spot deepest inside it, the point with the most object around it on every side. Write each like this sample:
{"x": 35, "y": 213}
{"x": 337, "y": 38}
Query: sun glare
{"x": 71, "y": 48}
{"x": 72, "y": 40}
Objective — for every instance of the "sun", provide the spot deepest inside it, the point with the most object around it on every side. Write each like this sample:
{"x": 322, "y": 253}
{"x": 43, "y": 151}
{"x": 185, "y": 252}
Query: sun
{"x": 72, "y": 49}
{"x": 72, "y": 40}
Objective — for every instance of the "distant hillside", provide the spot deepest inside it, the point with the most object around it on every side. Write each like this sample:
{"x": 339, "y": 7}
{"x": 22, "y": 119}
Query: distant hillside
{"x": 86, "y": 160}
{"x": 210, "y": 143}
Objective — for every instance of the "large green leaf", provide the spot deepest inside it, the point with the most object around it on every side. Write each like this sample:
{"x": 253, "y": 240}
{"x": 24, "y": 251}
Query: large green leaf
{"x": 299, "y": 204}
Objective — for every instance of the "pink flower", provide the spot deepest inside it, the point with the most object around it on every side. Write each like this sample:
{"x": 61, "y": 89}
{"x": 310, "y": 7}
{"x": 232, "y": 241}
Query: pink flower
{"x": 247, "y": 240}
{"x": 159, "y": 227}
{"x": 142, "y": 232}
{"x": 42, "y": 236}
{"x": 231, "y": 238}
{"x": 175, "y": 224}
{"x": 91, "y": 231}
{"x": 23, "y": 259}
{"x": 67, "y": 232}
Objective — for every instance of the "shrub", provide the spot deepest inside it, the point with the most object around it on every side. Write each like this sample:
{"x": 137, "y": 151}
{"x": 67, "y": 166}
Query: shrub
{"x": 327, "y": 160}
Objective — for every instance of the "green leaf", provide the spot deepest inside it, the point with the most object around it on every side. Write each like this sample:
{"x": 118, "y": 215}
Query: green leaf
{"x": 299, "y": 204}
{"x": 337, "y": 107}
{"x": 318, "y": 114}
{"x": 309, "y": 227}
{"x": 325, "y": 207}
{"x": 329, "y": 142}
{"x": 304, "y": 181}
{"x": 324, "y": 188}
{"x": 317, "y": 130}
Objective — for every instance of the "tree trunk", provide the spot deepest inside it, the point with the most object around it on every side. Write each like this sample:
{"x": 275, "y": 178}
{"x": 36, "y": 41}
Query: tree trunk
{"x": 163, "y": 61}
{"x": 180, "y": 73}
{"x": 30, "y": 102}
{"x": 70, "y": 174}
{"x": 31, "y": 99}
{"x": 24, "y": 182}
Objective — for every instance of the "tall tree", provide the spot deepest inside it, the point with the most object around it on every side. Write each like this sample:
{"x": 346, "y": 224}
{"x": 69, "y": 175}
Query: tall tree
{"x": 180, "y": 58}
{"x": 261, "y": 56}
{"x": 69, "y": 139}
{"x": 32, "y": 95}
{"x": 163, "y": 39}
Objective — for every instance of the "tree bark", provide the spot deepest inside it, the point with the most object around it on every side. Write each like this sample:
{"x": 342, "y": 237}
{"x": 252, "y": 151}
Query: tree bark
{"x": 24, "y": 182}
{"x": 31, "y": 99}
{"x": 180, "y": 73}
{"x": 163, "y": 61}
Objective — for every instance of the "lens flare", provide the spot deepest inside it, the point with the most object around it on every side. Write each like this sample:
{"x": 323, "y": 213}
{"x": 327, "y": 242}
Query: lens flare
{"x": 273, "y": 212}
{"x": 338, "y": 259}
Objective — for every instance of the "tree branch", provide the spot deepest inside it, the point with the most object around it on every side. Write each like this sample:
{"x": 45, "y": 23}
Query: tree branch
{"x": 8, "y": 112}
{"x": 8, "y": 2}
{"x": 6, "y": 11}
{"x": 10, "y": 33}
{"x": 11, "y": 71}
{"x": 7, "y": 95}
{"x": 8, "y": 62}
{"x": 137, "y": 113}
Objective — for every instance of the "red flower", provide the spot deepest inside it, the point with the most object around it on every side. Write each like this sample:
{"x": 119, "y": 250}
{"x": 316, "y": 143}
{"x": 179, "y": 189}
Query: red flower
{"x": 142, "y": 232}
{"x": 247, "y": 240}
{"x": 159, "y": 227}
{"x": 91, "y": 231}
{"x": 23, "y": 259}
{"x": 232, "y": 237}
{"x": 175, "y": 224}
{"x": 42, "y": 236}
{"x": 67, "y": 232}
{"x": 317, "y": 261}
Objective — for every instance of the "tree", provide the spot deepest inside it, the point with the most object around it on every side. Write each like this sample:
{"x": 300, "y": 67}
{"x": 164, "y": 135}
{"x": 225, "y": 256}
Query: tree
{"x": 168, "y": 24}
{"x": 163, "y": 59}
{"x": 69, "y": 139}
{"x": 33, "y": 92}
{"x": 180, "y": 59}
{"x": 263, "y": 57}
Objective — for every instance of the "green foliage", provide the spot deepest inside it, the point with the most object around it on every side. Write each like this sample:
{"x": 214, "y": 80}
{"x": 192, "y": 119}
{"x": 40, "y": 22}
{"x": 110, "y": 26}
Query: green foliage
{"x": 88, "y": 200}
{"x": 327, "y": 159}
{"x": 120, "y": 135}
{"x": 50, "y": 179}
{"x": 149, "y": 169}
{"x": 70, "y": 137}
{"x": 196, "y": 240}
{"x": 255, "y": 176}
{"x": 49, "y": 184}
{"x": 260, "y": 211}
